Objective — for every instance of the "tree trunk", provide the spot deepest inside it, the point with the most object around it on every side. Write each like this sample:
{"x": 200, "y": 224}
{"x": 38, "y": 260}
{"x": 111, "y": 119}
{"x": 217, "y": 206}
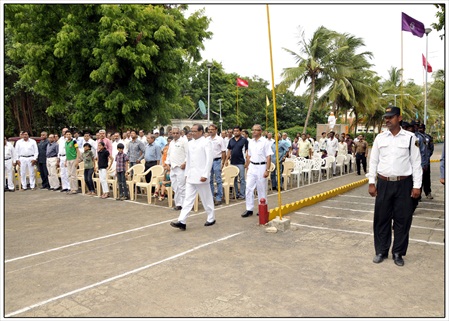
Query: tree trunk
{"x": 312, "y": 98}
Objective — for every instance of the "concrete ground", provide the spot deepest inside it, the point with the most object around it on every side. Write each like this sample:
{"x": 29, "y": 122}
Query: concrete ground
{"x": 80, "y": 256}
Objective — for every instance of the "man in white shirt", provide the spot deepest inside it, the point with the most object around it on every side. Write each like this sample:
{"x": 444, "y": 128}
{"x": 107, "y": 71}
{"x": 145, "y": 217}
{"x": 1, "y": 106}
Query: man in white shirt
{"x": 176, "y": 159}
{"x": 27, "y": 152}
{"x": 258, "y": 163}
{"x": 62, "y": 162}
{"x": 142, "y": 137}
{"x": 115, "y": 141}
{"x": 198, "y": 168}
{"x": 332, "y": 148}
{"x": 219, "y": 157}
{"x": 229, "y": 135}
{"x": 10, "y": 162}
{"x": 395, "y": 161}
{"x": 323, "y": 141}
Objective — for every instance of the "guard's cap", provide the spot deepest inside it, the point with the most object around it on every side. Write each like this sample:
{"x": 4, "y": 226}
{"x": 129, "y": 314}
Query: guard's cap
{"x": 392, "y": 111}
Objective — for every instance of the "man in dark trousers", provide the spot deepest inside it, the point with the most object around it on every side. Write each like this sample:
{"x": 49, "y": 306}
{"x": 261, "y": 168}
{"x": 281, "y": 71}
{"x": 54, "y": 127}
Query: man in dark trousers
{"x": 426, "y": 173}
{"x": 237, "y": 147}
{"x": 42, "y": 160}
{"x": 396, "y": 163}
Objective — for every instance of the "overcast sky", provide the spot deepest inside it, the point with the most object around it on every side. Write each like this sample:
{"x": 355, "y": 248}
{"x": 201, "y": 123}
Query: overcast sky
{"x": 240, "y": 40}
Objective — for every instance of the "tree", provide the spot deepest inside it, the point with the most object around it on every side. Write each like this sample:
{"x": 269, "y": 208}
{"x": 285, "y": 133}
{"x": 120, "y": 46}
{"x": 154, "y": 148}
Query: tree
{"x": 314, "y": 67}
{"x": 440, "y": 25}
{"x": 106, "y": 65}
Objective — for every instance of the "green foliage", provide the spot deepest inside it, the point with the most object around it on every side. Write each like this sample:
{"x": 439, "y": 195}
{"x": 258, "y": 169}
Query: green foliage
{"x": 106, "y": 65}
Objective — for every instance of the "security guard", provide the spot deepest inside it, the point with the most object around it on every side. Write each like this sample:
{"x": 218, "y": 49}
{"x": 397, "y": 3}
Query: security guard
{"x": 396, "y": 163}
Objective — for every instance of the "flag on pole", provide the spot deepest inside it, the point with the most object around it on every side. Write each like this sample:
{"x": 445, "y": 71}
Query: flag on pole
{"x": 429, "y": 67}
{"x": 242, "y": 83}
{"x": 412, "y": 25}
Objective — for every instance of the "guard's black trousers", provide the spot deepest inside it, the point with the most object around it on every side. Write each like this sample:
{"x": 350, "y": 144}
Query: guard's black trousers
{"x": 426, "y": 180}
{"x": 393, "y": 204}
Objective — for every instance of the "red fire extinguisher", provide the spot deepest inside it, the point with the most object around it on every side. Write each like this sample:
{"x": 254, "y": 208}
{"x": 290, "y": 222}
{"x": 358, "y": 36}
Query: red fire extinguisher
{"x": 263, "y": 212}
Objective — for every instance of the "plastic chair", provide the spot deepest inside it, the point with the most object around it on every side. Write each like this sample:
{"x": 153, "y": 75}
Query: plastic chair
{"x": 297, "y": 170}
{"x": 340, "y": 163}
{"x": 346, "y": 163}
{"x": 136, "y": 169}
{"x": 156, "y": 174}
{"x": 228, "y": 175}
{"x": 111, "y": 180}
{"x": 286, "y": 174}
{"x": 327, "y": 165}
{"x": 317, "y": 164}
{"x": 80, "y": 177}
{"x": 272, "y": 168}
{"x": 307, "y": 169}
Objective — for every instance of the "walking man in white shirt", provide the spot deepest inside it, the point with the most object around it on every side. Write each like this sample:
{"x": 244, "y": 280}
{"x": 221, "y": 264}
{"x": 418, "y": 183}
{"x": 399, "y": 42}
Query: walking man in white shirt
{"x": 27, "y": 152}
{"x": 198, "y": 167}
{"x": 10, "y": 162}
{"x": 396, "y": 163}
{"x": 176, "y": 159}
{"x": 258, "y": 162}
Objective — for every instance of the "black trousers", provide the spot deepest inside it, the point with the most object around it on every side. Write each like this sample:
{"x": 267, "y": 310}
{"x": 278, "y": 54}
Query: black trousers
{"x": 393, "y": 205}
{"x": 426, "y": 181}
{"x": 147, "y": 166}
{"x": 360, "y": 158}
{"x": 122, "y": 186}
{"x": 44, "y": 174}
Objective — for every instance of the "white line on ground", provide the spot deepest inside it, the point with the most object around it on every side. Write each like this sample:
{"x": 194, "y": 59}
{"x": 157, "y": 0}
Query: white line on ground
{"x": 356, "y": 232}
{"x": 355, "y": 196}
{"x": 360, "y": 220}
{"x": 363, "y": 211}
{"x": 118, "y": 276}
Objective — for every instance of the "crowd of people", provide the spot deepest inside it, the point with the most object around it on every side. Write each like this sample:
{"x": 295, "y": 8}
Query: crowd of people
{"x": 194, "y": 159}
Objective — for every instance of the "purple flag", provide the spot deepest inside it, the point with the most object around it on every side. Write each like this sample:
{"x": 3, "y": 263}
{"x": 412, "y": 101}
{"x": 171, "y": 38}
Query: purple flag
{"x": 412, "y": 25}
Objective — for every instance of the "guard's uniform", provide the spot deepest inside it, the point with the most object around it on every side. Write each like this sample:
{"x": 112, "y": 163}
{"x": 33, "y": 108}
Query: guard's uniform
{"x": 396, "y": 163}
{"x": 258, "y": 150}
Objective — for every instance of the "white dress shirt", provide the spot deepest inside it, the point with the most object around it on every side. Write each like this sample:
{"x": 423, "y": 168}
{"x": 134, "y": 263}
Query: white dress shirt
{"x": 10, "y": 152}
{"x": 199, "y": 160}
{"x": 332, "y": 146}
{"x": 395, "y": 156}
{"x": 27, "y": 148}
{"x": 218, "y": 146}
{"x": 177, "y": 151}
{"x": 61, "y": 143}
{"x": 258, "y": 150}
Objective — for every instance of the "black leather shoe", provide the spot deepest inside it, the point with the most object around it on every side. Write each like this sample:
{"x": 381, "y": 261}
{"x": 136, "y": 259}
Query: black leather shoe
{"x": 247, "y": 213}
{"x": 177, "y": 208}
{"x": 398, "y": 260}
{"x": 209, "y": 223}
{"x": 179, "y": 225}
{"x": 379, "y": 258}
{"x": 216, "y": 203}
{"x": 64, "y": 190}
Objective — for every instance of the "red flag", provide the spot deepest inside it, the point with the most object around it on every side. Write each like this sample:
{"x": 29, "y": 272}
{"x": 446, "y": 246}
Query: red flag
{"x": 429, "y": 67}
{"x": 242, "y": 83}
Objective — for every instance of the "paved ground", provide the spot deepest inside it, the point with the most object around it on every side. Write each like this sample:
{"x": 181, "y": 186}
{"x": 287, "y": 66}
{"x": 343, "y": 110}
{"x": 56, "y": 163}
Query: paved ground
{"x": 77, "y": 256}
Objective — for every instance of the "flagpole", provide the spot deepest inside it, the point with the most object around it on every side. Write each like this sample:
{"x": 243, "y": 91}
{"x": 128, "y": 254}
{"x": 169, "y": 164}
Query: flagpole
{"x": 278, "y": 172}
{"x": 237, "y": 101}
{"x": 428, "y": 30}
{"x": 402, "y": 68}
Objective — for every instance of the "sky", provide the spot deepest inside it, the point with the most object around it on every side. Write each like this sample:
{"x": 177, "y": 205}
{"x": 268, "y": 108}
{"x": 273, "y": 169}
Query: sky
{"x": 240, "y": 36}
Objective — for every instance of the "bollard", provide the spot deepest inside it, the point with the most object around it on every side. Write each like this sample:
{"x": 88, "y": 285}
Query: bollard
{"x": 263, "y": 212}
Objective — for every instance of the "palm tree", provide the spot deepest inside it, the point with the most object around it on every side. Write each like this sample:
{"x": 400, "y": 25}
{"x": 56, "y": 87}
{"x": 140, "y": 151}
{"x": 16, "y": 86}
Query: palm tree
{"x": 313, "y": 68}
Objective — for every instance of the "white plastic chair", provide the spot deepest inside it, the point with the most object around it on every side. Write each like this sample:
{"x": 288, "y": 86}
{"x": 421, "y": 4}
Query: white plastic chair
{"x": 228, "y": 174}
{"x": 156, "y": 173}
{"x": 340, "y": 163}
{"x": 286, "y": 174}
{"x": 297, "y": 170}
{"x": 317, "y": 164}
{"x": 307, "y": 169}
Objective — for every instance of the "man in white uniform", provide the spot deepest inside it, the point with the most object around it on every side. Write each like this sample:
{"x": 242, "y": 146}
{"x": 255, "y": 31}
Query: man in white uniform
{"x": 27, "y": 152}
{"x": 62, "y": 162}
{"x": 10, "y": 161}
{"x": 332, "y": 148}
{"x": 176, "y": 159}
{"x": 258, "y": 163}
{"x": 198, "y": 166}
